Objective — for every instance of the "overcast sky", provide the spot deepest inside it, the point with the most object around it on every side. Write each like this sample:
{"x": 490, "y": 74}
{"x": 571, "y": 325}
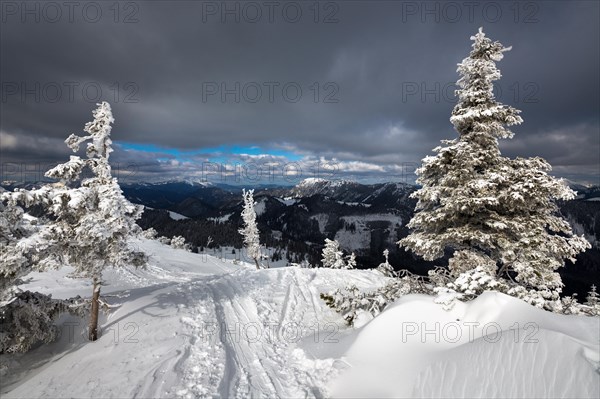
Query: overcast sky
{"x": 354, "y": 89}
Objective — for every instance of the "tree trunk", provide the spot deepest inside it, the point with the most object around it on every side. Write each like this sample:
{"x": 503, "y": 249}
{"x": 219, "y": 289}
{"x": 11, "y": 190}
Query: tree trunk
{"x": 93, "y": 332}
{"x": 256, "y": 263}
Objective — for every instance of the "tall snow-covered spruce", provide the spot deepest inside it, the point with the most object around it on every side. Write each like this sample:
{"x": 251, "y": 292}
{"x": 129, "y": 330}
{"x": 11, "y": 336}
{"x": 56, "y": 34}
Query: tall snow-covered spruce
{"x": 250, "y": 231}
{"x": 93, "y": 221}
{"x": 497, "y": 214}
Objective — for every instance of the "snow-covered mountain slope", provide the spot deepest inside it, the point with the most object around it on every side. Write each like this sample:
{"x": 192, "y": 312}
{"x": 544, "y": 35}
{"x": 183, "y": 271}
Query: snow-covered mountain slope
{"x": 190, "y": 325}
{"x": 194, "y": 326}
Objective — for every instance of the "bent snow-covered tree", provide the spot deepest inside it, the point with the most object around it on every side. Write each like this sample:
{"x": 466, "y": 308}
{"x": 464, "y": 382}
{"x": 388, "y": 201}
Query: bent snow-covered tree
{"x": 250, "y": 231}
{"x": 494, "y": 212}
{"x": 93, "y": 221}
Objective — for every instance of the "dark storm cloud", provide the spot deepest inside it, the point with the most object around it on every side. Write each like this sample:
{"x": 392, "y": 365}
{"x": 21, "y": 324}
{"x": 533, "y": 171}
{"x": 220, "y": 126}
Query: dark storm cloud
{"x": 376, "y": 80}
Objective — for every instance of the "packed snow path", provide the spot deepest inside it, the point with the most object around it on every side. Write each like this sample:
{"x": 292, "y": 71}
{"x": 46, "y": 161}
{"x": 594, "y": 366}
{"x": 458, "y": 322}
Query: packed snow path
{"x": 250, "y": 322}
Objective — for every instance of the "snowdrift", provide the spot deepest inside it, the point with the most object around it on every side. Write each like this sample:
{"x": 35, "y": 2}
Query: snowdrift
{"x": 494, "y": 346}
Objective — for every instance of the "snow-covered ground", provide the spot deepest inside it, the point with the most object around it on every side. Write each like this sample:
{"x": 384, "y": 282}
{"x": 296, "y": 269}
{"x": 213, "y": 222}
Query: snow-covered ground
{"x": 361, "y": 237}
{"x": 177, "y": 216}
{"x": 195, "y": 326}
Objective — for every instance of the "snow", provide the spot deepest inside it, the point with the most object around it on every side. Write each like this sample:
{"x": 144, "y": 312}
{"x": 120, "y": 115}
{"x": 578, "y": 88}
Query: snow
{"x": 494, "y": 346}
{"x": 593, "y": 199}
{"x": 361, "y": 237}
{"x": 322, "y": 219}
{"x": 177, "y": 216}
{"x": 354, "y": 204}
{"x": 222, "y": 219}
{"x": 260, "y": 206}
{"x": 162, "y": 340}
{"x": 311, "y": 181}
{"x": 191, "y": 325}
{"x": 287, "y": 201}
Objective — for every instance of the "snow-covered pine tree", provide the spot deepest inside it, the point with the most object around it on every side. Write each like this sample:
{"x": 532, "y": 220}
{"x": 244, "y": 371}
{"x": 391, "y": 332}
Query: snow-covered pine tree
{"x": 592, "y": 302}
{"x": 250, "y": 230}
{"x": 592, "y": 298}
{"x": 93, "y": 221}
{"x": 333, "y": 257}
{"x": 385, "y": 268}
{"x": 351, "y": 262}
{"x": 495, "y": 212}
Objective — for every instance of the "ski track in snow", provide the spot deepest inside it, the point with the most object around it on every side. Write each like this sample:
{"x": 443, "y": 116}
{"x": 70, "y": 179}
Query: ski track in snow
{"x": 258, "y": 318}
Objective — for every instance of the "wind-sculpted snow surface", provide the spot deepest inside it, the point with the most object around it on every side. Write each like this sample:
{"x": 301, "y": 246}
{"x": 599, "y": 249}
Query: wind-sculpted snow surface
{"x": 194, "y": 326}
{"x": 494, "y": 346}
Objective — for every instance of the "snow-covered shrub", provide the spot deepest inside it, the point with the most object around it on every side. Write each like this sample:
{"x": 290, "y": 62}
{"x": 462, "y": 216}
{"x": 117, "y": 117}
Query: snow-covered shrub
{"x": 569, "y": 305}
{"x": 473, "y": 282}
{"x": 164, "y": 240}
{"x": 29, "y": 319}
{"x": 439, "y": 276}
{"x": 150, "y": 233}
{"x": 498, "y": 214}
{"x": 468, "y": 285}
{"x": 178, "y": 242}
{"x": 415, "y": 284}
{"x": 351, "y": 302}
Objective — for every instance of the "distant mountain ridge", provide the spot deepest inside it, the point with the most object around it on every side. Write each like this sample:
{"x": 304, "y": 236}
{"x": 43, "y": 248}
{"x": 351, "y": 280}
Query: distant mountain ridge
{"x": 294, "y": 221}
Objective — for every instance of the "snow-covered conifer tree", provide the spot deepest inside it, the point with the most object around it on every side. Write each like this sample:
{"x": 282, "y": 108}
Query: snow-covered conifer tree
{"x": 592, "y": 302}
{"x": 17, "y": 259}
{"x": 495, "y": 212}
{"x": 592, "y": 297}
{"x": 351, "y": 263}
{"x": 93, "y": 220}
{"x": 26, "y": 317}
{"x": 385, "y": 268}
{"x": 333, "y": 257}
{"x": 250, "y": 229}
